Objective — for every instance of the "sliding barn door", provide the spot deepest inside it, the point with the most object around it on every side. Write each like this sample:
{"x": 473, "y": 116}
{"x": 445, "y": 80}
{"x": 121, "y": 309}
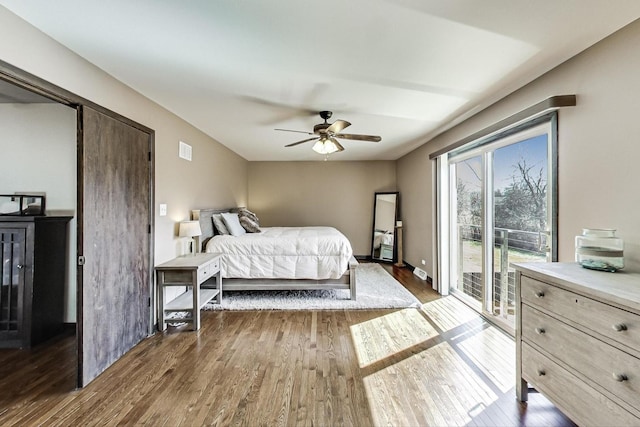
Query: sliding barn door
{"x": 114, "y": 242}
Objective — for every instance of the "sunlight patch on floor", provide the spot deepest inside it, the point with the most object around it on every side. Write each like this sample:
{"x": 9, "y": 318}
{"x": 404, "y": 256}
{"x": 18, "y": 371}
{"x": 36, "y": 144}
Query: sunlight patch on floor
{"x": 452, "y": 392}
{"x": 494, "y": 353}
{"x": 448, "y": 313}
{"x": 383, "y": 337}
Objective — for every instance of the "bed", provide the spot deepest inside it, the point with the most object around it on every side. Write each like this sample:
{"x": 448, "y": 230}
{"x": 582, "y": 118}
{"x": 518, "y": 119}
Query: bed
{"x": 281, "y": 258}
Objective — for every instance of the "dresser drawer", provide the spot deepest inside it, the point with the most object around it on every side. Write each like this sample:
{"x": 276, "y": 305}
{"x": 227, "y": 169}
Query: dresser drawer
{"x": 615, "y": 323}
{"x": 613, "y": 369}
{"x": 208, "y": 270}
{"x": 585, "y": 405}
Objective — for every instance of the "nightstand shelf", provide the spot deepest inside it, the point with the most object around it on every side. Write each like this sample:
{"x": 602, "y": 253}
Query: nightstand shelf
{"x": 200, "y": 273}
{"x": 185, "y": 301}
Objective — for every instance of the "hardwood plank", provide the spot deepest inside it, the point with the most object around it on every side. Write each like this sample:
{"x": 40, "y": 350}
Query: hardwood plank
{"x": 440, "y": 365}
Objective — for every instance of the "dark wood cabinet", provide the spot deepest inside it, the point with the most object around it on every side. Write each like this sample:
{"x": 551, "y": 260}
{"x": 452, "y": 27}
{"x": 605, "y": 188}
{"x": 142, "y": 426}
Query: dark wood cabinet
{"x": 33, "y": 251}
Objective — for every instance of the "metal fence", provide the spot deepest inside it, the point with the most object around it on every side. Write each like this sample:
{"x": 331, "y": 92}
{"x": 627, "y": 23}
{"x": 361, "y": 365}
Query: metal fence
{"x": 509, "y": 246}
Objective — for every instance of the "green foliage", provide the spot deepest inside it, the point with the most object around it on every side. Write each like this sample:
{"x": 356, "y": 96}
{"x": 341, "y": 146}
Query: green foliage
{"x": 469, "y": 205}
{"x": 520, "y": 206}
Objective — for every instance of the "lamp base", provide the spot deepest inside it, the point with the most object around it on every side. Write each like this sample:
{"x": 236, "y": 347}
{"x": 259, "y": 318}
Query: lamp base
{"x": 188, "y": 246}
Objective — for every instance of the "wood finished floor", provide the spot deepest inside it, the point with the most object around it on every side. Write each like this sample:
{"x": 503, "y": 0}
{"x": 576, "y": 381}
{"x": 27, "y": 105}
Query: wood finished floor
{"x": 441, "y": 365}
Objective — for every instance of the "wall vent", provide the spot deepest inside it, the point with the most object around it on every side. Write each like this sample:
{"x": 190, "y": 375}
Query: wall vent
{"x": 184, "y": 151}
{"x": 420, "y": 273}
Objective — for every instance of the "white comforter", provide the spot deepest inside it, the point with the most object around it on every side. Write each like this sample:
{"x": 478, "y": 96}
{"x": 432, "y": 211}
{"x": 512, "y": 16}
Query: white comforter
{"x": 284, "y": 253}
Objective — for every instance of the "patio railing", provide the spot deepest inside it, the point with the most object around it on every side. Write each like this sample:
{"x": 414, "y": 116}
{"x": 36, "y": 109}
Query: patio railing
{"x": 509, "y": 246}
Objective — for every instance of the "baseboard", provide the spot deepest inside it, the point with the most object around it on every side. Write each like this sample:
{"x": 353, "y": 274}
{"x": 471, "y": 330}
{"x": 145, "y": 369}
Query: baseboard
{"x": 411, "y": 267}
{"x": 68, "y": 326}
{"x": 406, "y": 265}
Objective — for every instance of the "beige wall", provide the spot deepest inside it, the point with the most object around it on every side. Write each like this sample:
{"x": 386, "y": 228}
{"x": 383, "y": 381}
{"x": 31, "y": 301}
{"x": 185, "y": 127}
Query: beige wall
{"x": 216, "y": 177}
{"x": 333, "y": 193}
{"x": 599, "y": 149}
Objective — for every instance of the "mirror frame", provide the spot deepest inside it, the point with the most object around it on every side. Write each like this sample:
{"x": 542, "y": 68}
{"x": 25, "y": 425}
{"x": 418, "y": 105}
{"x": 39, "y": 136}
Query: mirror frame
{"x": 395, "y": 219}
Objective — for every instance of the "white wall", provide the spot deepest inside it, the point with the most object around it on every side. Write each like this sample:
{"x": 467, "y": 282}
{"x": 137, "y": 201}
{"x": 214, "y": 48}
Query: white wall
{"x": 599, "y": 149}
{"x": 38, "y": 146}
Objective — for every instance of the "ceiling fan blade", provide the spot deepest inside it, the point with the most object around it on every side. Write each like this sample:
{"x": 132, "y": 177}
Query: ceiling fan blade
{"x": 370, "y": 138}
{"x": 280, "y": 111}
{"x": 335, "y": 141}
{"x": 338, "y": 125}
{"x": 300, "y": 142}
{"x": 297, "y": 131}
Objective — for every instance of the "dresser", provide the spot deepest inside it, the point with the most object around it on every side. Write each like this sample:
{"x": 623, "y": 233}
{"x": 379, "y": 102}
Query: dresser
{"x": 32, "y": 278}
{"x": 578, "y": 341}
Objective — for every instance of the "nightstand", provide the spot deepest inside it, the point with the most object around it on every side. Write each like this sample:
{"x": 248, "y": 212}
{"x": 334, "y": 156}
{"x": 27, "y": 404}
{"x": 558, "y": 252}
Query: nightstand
{"x": 201, "y": 274}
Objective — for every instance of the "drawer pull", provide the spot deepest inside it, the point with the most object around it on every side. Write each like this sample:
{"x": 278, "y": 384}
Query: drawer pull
{"x": 619, "y": 327}
{"x": 541, "y": 373}
{"x": 19, "y": 266}
{"x": 540, "y": 331}
{"x": 539, "y": 294}
{"x": 620, "y": 377}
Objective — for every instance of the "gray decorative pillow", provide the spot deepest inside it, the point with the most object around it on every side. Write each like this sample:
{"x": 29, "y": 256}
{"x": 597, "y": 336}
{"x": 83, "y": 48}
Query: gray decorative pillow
{"x": 232, "y": 222}
{"x": 249, "y": 220}
{"x": 249, "y": 224}
{"x": 246, "y": 212}
{"x": 219, "y": 224}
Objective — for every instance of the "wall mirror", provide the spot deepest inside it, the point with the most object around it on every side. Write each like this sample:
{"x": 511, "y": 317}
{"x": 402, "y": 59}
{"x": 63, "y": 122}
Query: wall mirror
{"x": 385, "y": 215}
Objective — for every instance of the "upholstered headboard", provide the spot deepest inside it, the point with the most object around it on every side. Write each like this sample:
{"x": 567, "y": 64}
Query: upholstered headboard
{"x": 206, "y": 224}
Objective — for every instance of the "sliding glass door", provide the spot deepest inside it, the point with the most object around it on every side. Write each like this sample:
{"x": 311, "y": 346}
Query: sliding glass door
{"x": 466, "y": 175}
{"x": 501, "y": 197}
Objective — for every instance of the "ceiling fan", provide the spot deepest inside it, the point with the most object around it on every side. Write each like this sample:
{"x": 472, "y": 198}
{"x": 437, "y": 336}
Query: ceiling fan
{"x": 325, "y": 135}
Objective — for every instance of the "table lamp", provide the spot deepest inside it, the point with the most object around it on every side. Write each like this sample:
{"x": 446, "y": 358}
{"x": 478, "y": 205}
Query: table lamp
{"x": 190, "y": 229}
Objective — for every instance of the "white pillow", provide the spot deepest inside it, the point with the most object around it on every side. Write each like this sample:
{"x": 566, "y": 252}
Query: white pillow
{"x": 232, "y": 222}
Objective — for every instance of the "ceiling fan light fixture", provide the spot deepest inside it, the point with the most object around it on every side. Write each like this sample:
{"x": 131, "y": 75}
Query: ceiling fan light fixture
{"x": 325, "y": 146}
{"x": 325, "y": 134}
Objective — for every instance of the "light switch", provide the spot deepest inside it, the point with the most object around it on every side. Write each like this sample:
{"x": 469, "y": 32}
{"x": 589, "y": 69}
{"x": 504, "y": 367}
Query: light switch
{"x": 163, "y": 209}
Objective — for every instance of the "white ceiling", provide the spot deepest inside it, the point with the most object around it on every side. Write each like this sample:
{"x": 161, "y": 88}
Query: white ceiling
{"x": 401, "y": 69}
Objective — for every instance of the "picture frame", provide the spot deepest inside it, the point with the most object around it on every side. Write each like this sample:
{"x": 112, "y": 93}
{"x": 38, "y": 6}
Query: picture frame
{"x": 22, "y": 205}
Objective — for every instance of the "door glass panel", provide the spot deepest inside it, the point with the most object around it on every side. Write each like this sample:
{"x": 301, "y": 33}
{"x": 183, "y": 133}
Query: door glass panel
{"x": 12, "y": 246}
{"x": 520, "y": 219}
{"x": 501, "y": 212}
{"x": 467, "y": 230}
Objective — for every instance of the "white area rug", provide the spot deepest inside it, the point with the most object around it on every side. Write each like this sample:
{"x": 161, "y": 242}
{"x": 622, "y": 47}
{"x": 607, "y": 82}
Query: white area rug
{"x": 375, "y": 289}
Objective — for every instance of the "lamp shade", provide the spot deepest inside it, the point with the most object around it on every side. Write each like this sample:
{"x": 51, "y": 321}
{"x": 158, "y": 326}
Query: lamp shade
{"x": 189, "y": 229}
